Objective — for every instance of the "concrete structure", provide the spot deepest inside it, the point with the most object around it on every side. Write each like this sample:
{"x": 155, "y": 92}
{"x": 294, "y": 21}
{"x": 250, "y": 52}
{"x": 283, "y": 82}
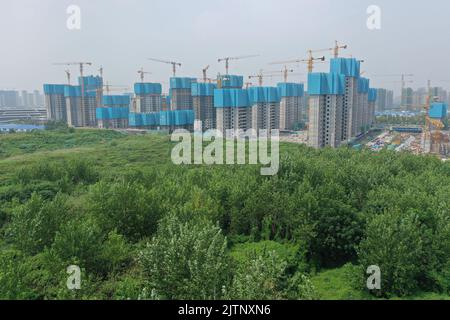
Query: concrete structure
{"x": 265, "y": 108}
{"x": 12, "y": 115}
{"x": 203, "y": 103}
{"x": 164, "y": 120}
{"x": 327, "y": 91}
{"x": 181, "y": 94}
{"x": 291, "y": 105}
{"x": 148, "y": 97}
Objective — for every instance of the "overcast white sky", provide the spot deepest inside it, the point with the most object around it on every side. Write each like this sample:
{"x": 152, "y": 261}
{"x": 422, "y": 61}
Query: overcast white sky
{"x": 121, "y": 34}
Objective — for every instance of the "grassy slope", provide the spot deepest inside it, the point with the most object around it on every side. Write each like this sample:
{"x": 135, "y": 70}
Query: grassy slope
{"x": 113, "y": 152}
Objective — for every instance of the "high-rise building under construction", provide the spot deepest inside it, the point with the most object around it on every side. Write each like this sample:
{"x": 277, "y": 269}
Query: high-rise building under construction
{"x": 265, "y": 108}
{"x": 147, "y": 97}
{"x": 326, "y": 101}
{"x": 55, "y": 102}
{"x": 203, "y": 103}
{"x": 181, "y": 93}
{"x": 291, "y": 105}
{"x": 350, "y": 68}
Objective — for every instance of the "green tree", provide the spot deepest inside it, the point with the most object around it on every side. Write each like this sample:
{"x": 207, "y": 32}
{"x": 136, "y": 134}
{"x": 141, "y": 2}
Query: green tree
{"x": 186, "y": 260}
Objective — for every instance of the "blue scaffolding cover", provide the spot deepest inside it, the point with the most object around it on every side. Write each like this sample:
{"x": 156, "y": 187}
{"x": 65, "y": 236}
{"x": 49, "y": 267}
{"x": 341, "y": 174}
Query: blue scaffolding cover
{"x": 363, "y": 85}
{"x": 116, "y": 100}
{"x": 232, "y": 81}
{"x": 349, "y": 67}
{"x": 181, "y": 83}
{"x": 54, "y": 89}
{"x": 91, "y": 82}
{"x": 231, "y": 98}
{"x": 203, "y": 89}
{"x": 326, "y": 84}
{"x": 291, "y": 89}
{"x": 147, "y": 88}
{"x": 438, "y": 110}
{"x": 75, "y": 91}
{"x": 111, "y": 113}
{"x": 373, "y": 95}
{"x": 263, "y": 95}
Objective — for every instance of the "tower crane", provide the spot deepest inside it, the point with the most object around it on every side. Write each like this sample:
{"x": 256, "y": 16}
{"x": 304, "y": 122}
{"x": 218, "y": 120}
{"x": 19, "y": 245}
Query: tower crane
{"x": 142, "y": 74}
{"x": 337, "y": 47}
{"x": 309, "y": 61}
{"x": 205, "y": 78}
{"x": 68, "y": 76}
{"x": 173, "y": 63}
{"x": 260, "y": 76}
{"x": 285, "y": 73}
{"x": 227, "y": 60}
{"x": 81, "y": 65}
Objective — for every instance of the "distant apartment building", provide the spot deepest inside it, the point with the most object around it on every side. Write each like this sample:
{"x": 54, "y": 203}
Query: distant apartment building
{"x": 181, "y": 94}
{"x": 203, "y": 103}
{"x": 385, "y": 100}
{"x": 291, "y": 105}
{"x": 326, "y": 91}
{"x": 9, "y": 99}
{"x": 407, "y": 99}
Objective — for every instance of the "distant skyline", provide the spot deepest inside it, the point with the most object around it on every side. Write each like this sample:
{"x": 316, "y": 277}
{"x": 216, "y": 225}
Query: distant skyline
{"x": 121, "y": 34}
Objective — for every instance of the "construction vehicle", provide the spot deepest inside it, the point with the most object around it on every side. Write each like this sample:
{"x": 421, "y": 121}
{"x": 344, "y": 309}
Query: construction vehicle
{"x": 142, "y": 74}
{"x": 227, "y": 60}
{"x": 173, "y": 63}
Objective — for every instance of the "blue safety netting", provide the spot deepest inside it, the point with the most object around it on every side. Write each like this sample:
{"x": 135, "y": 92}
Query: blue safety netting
{"x": 181, "y": 83}
{"x": 438, "y": 110}
{"x": 54, "y": 89}
{"x": 231, "y": 81}
{"x": 373, "y": 95}
{"x": 234, "y": 98}
{"x": 326, "y": 84}
{"x": 363, "y": 85}
{"x": 141, "y": 88}
{"x": 349, "y": 67}
{"x": 291, "y": 89}
{"x": 263, "y": 95}
{"x": 111, "y": 113}
{"x": 202, "y": 89}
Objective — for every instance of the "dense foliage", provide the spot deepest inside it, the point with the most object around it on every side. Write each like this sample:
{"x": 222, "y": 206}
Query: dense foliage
{"x": 142, "y": 228}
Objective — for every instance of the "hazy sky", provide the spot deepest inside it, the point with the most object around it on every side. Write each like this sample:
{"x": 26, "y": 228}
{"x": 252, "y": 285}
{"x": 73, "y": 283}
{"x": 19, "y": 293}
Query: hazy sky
{"x": 121, "y": 34}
